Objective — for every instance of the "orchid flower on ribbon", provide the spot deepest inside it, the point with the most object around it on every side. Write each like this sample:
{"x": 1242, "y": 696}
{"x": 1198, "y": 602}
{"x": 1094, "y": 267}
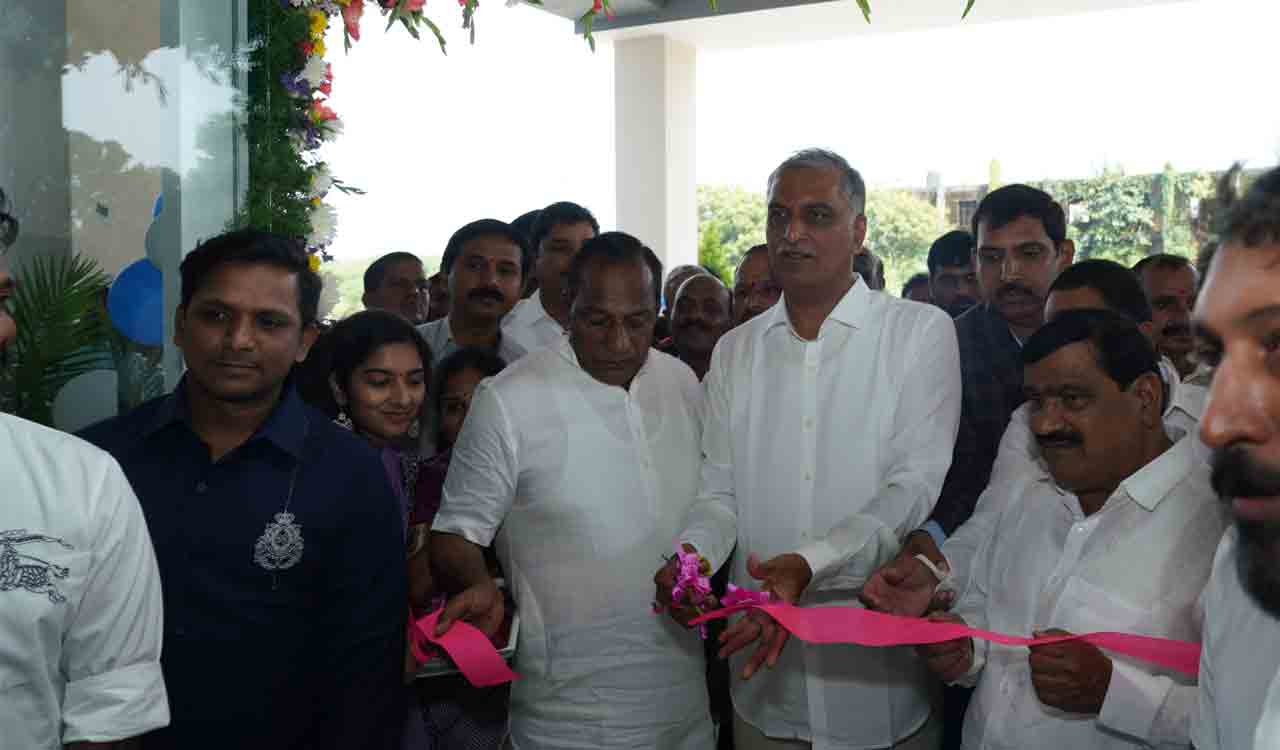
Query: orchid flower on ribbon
{"x": 693, "y": 583}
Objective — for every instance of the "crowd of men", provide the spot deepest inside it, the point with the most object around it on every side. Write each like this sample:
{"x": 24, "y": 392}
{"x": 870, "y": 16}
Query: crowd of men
{"x": 1022, "y": 442}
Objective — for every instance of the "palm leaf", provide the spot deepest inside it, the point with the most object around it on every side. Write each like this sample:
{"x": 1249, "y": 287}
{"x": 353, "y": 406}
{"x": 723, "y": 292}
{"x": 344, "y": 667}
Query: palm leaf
{"x": 58, "y": 306}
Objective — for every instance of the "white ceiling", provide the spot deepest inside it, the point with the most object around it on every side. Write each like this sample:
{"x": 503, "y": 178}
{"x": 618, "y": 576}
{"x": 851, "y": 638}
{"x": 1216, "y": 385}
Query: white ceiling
{"x": 754, "y": 23}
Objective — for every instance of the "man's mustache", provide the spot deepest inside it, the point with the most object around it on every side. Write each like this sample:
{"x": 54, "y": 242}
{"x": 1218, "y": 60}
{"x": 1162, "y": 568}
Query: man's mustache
{"x": 687, "y": 324}
{"x": 1176, "y": 329}
{"x": 486, "y": 292}
{"x": 1061, "y": 439}
{"x": 1012, "y": 288}
{"x": 1237, "y": 474}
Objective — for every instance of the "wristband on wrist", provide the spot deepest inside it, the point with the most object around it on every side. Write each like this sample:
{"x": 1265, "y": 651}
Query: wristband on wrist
{"x": 943, "y": 574}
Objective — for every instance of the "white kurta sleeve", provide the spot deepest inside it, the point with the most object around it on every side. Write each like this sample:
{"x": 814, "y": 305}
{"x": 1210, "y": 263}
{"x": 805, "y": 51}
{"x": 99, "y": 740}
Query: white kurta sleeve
{"x": 972, "y": 604}
{"x": 1204, "y": 724}
{"x": 711, "y": 525}
{"x": 483, "y": 471}
{"x": 1151, "y": 708}
{"x": 1014, "y": 461}
{"x": 924, "y": 436}
{"x": 111, "y": 650}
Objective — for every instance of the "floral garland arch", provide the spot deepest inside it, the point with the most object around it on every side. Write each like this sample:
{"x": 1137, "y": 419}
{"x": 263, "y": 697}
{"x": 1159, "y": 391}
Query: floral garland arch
{"x": 289, "y": 85}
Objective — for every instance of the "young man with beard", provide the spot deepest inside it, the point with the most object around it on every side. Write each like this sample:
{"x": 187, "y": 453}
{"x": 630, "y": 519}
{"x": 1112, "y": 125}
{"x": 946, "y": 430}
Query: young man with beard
{"x": 1237, "y": 325}
{"x": 1169, "y": 282}
{"x": 581, "y": 459}
{"x": 699, "y": 317}
{"x": 485, "y": 263}
{"x": 1115, "y": 531}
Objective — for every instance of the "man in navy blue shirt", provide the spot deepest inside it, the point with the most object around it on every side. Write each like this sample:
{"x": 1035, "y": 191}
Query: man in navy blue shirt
{"x": 279, "y": 538}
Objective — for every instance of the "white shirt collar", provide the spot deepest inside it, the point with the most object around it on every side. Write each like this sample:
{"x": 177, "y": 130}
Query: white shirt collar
{"x": 849, "y": 311}
{"x": 1154, "y": 482}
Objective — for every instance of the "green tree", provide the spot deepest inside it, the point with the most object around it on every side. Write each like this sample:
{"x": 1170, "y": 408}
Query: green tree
{"x": 712, "y": 252}
{"x": 735, "y": 217}
{"x": 1111, "y": 215}
{"x": 900, "y": 229}
{"x": 1124, "y": 218}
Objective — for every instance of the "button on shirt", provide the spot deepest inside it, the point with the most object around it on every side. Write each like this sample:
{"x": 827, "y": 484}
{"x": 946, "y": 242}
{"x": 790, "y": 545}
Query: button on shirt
{"x": 585, "y": 485}
{"x": 1138, "y": 565}
{"x": 439, "y": 336}
{"x": 1239, "y": 659}
{"x": 833, "y": 448}
{"x": 306, "y": 656}
{"x": 80, "y": 610}
{"x": 1019, "y": 456}
{"x": 530, "y": 325}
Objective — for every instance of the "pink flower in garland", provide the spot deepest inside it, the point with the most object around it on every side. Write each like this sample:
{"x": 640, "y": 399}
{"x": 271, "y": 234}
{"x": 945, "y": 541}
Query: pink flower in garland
{"x": 321, "y": 112}
{"x": 326, "y": 87}
{"x": 413, "y": 6}
{"x": 600, "y": 5}
{"x": 351, "y": 13}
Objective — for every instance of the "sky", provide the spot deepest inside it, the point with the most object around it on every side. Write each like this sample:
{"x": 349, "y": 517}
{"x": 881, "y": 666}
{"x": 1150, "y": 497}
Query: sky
{"x": 525, "y": 116}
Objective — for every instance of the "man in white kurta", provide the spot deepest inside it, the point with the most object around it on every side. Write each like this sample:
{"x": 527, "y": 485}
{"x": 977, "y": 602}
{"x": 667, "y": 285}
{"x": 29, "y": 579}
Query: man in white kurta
{"x": 1131, "y": 559}
{"x": 1019, "y": 455}
{"x": 530, "y": 326}
{"x": 80, "y": 609}
{"x": 581, "y": 486}
{"x": 1238, "y": 661}
{"x": 1235, "y": 320}
{"x": 832, "y": 447}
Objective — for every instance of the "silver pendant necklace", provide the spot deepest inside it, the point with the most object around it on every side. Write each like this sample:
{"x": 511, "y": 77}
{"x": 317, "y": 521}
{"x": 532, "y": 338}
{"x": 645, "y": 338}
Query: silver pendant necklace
{"x": 280, "y": 545}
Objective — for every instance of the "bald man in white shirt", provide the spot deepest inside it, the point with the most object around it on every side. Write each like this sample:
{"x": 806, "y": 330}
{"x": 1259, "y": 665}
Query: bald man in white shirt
{"x": 831, "y": 420}
{"x": 80, "y": 609}
{"x": 578, "y": 463}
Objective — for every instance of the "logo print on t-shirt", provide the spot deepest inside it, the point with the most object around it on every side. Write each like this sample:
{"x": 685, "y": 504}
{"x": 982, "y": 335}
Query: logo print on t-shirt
{"x": 19, "y": 571}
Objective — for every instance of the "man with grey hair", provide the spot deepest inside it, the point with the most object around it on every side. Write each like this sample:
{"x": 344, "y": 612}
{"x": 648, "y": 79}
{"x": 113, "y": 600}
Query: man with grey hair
{"x": 822, "y": 484}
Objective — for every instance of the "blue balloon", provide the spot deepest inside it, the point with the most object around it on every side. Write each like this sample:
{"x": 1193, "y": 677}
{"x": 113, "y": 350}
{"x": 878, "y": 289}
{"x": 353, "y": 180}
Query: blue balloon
{"x": 135, "y": 302}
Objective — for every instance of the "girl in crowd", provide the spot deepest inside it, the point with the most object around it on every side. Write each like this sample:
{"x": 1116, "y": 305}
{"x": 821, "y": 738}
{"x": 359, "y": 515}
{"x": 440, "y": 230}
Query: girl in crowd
{"x": 375, "y": 369}
{"x": 456, "y": 715}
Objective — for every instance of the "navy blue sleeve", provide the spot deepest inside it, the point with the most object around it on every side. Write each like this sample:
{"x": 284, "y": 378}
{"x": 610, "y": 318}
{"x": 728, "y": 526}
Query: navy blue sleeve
{"x": 970, "y": 470}
{"x": 364, "y": 617}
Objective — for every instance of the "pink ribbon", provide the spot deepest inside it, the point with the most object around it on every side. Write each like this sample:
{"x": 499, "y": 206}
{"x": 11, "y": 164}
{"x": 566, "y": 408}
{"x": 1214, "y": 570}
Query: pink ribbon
{"x": 867, "y": 628}
{"x": 475, "y": 656}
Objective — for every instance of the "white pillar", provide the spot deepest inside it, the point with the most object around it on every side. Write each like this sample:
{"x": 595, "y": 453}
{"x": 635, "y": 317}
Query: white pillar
{"x": 654, "y": 94}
